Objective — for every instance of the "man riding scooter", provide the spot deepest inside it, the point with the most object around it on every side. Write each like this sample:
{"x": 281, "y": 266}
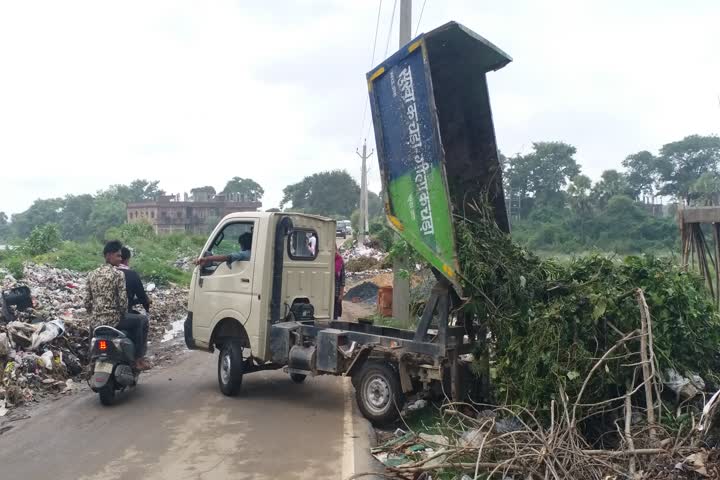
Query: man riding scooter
{"x": 106, "y": 300}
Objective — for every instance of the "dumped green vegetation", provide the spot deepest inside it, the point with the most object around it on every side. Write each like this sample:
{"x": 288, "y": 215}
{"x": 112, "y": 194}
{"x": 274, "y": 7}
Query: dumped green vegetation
{"x": 550, "y": 322}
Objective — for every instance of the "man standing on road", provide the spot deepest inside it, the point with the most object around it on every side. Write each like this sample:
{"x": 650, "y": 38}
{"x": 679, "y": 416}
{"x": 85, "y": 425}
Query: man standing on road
{"x": 339, "y": 283}
{"x": 106, "y": 301}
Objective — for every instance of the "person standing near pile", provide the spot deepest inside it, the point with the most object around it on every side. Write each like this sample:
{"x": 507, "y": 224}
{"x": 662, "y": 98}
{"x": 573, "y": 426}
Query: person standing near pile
{"x": 106, "y": 301}
{"x": 339, "y": 283}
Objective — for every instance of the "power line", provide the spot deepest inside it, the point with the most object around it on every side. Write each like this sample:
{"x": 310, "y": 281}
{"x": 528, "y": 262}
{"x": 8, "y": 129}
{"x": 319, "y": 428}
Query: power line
{"x": 372, "y": 64}
{"x": 417, "y": 28}
{"x": 377, "y": 29}
{"x": 392, "y": 22}
{"x": 387, "y": 48}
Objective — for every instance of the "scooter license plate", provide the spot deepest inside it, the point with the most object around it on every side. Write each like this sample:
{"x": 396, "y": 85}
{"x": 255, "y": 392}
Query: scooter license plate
{"x": 103, "y": 367}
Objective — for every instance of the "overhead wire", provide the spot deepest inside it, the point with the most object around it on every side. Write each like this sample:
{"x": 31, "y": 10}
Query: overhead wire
{"x": 392, "y": 22}
{"x": 372, "y": 64}
{"x": 387, "y": 48}
{"x": 417, "y": 28}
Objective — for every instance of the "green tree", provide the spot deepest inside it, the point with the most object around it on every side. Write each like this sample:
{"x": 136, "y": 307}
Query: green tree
{"x": 4, "y": 227}
{"x": 106, "y": 213}
{"x": 209, "y": 190}
{"x": 682, "y": 163}
{"x": 543, "y": 173}
{"x": 706, "y": 190}
{"x": 137, "y": 191}
{"x": 326, "y": 193}
{"x": 41, "y": 212}
{"x": 611, "y": 184}
{"x": 579, "y": 194}
{"x": 375, "y": 205}
{"x": 245, "y": 186}
{"x": 75, "y": 215}
{"x": 643, "y": 172}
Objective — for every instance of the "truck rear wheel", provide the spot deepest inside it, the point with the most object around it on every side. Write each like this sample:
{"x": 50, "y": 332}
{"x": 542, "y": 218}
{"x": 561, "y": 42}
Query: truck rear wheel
{"x": 297, "y": 377}
{"x": 230, "y": 368}
{"x": 378, "y": 393}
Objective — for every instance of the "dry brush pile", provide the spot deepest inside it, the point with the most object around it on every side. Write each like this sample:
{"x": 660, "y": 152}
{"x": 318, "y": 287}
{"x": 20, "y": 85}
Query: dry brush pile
{"x": 581, "y": 356}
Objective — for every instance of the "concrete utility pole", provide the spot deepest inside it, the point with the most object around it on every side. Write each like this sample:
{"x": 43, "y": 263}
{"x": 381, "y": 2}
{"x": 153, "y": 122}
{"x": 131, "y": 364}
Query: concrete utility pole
{"x": 401, "y": 286}
{"x": 405, "y": 22}
{"x": 363, "y": 221}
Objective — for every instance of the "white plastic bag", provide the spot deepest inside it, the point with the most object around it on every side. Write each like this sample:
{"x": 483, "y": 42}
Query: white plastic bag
{"x": 47, "y": 359}
{"x": 683, "y": 386}
{"x": 49, "y": 332}
{"x": 4, "y": 345}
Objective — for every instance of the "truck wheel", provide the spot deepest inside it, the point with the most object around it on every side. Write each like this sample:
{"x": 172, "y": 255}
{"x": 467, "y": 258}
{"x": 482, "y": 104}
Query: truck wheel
{"x": 297, "y": 377}
{"x": 230, "y": 368}
{"x": 378, "y": 393}
{"x": 107, "y": 393}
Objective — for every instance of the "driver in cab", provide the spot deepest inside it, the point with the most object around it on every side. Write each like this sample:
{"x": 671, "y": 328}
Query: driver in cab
{"x": 245, "y": 241}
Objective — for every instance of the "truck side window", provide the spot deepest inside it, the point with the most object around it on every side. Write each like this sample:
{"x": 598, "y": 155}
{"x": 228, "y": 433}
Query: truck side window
{"x": 232, "y": 239}
{"x": 303, "y": 244}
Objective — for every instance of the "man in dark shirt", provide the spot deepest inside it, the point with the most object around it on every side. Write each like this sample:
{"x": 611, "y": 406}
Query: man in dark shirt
{"x": 134, "y": 321}
{"x": 135, "y": 290}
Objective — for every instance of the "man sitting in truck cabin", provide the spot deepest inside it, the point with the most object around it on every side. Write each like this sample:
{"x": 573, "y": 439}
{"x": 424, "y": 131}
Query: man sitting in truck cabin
{"x": 245, "y": 241}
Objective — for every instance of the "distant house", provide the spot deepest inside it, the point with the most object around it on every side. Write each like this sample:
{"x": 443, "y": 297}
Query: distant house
{"x": 192, "y": 214}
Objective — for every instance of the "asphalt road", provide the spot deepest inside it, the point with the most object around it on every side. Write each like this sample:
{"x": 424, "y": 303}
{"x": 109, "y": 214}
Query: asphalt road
{"x": 176, "y": 425}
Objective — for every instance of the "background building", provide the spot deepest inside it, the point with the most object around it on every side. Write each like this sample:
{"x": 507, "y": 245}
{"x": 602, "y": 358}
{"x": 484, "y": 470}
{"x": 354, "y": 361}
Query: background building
{"x": 191, "y": 214}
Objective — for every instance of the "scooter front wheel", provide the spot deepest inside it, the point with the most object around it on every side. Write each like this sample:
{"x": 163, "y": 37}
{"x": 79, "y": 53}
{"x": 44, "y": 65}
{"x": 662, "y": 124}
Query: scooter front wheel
{"x": 107, "y": 393}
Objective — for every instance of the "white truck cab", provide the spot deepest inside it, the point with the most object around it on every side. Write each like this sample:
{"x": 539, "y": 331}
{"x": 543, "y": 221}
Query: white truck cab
{"x": 237, "y": 300}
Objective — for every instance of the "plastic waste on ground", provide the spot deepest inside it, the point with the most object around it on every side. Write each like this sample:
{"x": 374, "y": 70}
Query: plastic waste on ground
{"x": 47, "y": 333}
{"x": 685, "y": 387}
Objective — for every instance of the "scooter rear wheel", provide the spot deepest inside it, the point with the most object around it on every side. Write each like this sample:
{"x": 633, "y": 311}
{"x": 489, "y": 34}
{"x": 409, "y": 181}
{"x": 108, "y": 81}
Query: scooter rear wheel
{"x": 107, "y": 393}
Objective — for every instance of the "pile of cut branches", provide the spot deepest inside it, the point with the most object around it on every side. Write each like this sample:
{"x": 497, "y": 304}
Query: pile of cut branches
{"x": 485, "y": 441}
{"x": 549, "y": 321}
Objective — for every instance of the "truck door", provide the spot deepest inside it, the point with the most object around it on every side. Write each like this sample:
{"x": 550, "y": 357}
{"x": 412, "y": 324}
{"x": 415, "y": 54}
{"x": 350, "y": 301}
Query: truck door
{"x": 225, "y": 290}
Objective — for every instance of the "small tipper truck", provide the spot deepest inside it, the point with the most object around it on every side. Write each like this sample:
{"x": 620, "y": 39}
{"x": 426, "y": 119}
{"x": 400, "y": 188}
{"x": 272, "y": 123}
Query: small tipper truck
{"x": 437, "y": 151}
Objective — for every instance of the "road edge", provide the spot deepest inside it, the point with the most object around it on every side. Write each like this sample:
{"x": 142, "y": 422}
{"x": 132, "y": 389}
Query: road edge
{"x": 358, "y": 438}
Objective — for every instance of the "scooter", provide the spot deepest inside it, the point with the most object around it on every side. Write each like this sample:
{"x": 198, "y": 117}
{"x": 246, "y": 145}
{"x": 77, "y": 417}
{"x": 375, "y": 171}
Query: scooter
{"x": 113, "y": 355}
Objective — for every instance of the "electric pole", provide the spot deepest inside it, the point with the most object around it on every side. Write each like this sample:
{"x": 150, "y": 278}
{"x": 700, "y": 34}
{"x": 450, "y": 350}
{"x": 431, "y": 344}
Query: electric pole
{"x": 401, "y": 286}
{"x": 363, "y": 221}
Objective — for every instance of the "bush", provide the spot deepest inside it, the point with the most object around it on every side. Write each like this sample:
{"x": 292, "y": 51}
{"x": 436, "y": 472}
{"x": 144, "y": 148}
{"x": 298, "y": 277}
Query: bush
{"x": 81, "y": 257}
{"x": 42, "y": 239}
{"x": 15, "y": 266}
{"x": 130, "y": 231}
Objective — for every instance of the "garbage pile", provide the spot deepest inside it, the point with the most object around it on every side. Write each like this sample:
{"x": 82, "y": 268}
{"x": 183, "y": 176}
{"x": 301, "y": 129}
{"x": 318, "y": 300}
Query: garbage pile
{"x": 363, "y": 259}
{"x": 44, "y": 341}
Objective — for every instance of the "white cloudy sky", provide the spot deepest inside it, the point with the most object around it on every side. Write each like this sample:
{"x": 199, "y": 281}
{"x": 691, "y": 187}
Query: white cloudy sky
{"x": 195, "y": 92}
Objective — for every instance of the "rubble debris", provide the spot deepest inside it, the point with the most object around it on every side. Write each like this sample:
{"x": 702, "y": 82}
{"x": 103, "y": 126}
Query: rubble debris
{"x": 43, "y": 346}
{"x": 365, "y": 292}
{"x": 361, "y": 251}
